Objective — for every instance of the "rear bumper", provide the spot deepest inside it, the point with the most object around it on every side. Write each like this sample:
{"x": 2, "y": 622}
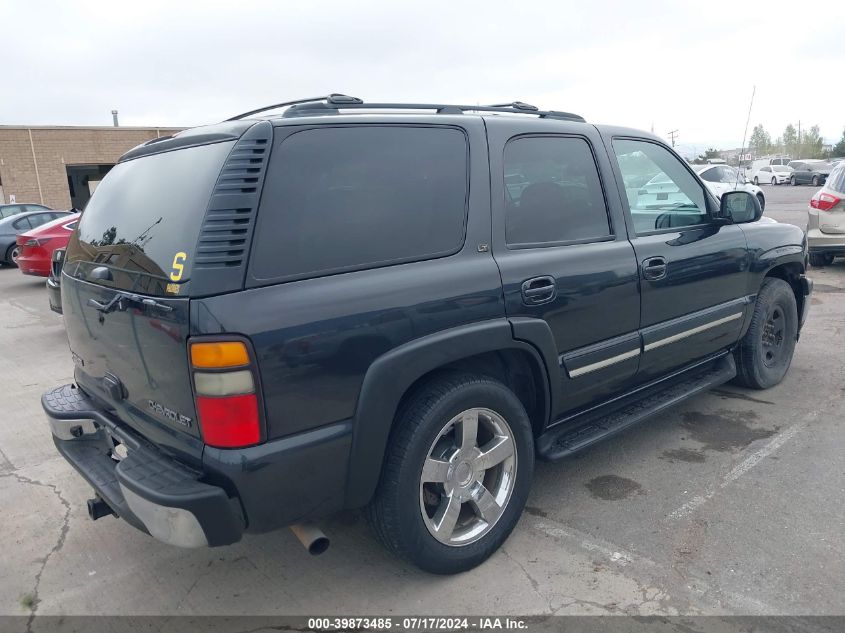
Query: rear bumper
{"x": 147, "y": 489}
{"x": 820, "y": 242}
{"x": 34, "y": 266}
{"x": 54, "y": 294}
{"x": 255, "y": 489}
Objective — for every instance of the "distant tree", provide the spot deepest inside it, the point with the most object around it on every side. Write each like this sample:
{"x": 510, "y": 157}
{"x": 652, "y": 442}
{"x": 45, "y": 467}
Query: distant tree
{"x": 761, "y": 142}
{"x": 811, "y": 143}
{"x": 839, "y": 148}
{"x": 709, "y": 153}
{"x": 790, "y": 141}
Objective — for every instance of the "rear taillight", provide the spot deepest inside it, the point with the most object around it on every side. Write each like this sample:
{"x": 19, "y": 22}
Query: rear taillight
{"x": 226, "y": 394}
{"x": 824, "y": 201}
{"x": 36, "y": 242}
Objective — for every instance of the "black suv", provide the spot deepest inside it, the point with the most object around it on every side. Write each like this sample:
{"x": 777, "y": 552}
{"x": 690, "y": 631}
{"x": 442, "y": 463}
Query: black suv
{"x": 398, "y": 307}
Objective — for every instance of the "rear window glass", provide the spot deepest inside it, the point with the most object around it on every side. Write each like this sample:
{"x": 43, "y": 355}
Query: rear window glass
{"x": 144, "y": 219}
{"x": 338, "y": 199}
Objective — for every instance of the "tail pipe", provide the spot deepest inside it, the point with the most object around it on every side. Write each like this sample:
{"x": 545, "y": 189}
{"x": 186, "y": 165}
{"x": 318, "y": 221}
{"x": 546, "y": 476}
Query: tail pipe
{"x": 311, "y": 537}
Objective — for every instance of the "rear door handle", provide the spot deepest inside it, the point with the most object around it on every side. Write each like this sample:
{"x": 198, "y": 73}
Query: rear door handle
{"x": 538, "y": 290}
{"x": 654, "y": 268}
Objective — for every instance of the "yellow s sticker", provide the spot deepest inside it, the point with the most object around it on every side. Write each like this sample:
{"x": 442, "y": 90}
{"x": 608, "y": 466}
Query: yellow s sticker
{"x": 178, "y": 266}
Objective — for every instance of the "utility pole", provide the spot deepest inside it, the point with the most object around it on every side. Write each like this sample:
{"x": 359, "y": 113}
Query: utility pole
{"x": 673, "y": 134}
{"x": 799, "y": 138}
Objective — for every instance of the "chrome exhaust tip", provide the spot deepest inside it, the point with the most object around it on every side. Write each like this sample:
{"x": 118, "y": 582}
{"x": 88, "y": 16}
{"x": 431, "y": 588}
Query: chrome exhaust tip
{"x": 312, "y": 538}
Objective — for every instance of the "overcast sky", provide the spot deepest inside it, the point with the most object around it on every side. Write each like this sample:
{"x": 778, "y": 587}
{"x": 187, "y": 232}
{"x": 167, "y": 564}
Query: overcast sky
{"x": 679, "y": 65}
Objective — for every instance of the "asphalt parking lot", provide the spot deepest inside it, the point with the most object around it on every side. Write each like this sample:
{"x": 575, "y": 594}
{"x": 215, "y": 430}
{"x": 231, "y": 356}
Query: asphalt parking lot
{"x": 729, "y": 504}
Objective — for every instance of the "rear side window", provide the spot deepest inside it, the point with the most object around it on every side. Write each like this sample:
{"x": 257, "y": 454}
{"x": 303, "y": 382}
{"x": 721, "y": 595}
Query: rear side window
{"x": 22, "y": 224}
{"x": 144, "y": 220}
{"x": 836, "y": 180}
{"x": 338, "y": 199}
{"x": 552, "y": 192}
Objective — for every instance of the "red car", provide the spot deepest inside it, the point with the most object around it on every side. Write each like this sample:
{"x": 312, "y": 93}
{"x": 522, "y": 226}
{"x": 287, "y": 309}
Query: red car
{"x": 37, "y": 245}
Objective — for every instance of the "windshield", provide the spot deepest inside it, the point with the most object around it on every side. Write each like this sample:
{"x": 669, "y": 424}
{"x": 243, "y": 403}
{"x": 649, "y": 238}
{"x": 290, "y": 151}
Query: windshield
{"x": 141, "y": 226}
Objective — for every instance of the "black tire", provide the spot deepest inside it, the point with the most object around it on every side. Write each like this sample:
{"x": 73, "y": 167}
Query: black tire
{"x": 774, "y": 181}
{"x": 815, "y": 181}
{"x": 765, "y": 352}
{"x": 792, "y": 181}
{"x": 9, "y": 257}
{"x": 818, "y": 260}
{"x": 756, "y": 181}
{"x": 828, "y": 258}
{"x": 762, "y": 201}
{"x": 396, "y": 511}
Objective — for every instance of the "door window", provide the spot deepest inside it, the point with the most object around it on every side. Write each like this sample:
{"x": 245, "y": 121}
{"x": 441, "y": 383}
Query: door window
{"x": 552, "y": 192}
{"x": 671, "y": 198}
{"x": 10, "y": 210}
{"x": 38, "y": 219}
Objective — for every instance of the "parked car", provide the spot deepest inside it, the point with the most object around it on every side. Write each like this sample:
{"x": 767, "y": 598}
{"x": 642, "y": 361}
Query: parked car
{"x": 826, "y": 221}
{"x": 14, "y": 225}
{"x": 772, "y": 175}
{"x": 806, "y": 172}
{"x": 35, "y": 247}
{"x": 768, "y": 161}
{"x": 449, "y": 328}
{"x": 722, "y": 178}
{"x": 8, "y": 210}
{"x": 54, "y": 280}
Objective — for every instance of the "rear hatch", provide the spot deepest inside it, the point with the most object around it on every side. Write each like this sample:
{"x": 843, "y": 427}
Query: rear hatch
{"x": 125, "y": 284}
{"x": 830, "y": 202}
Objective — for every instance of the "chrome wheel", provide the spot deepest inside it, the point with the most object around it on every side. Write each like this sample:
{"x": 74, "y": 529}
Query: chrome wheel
{"x": 16, "y": 251}
{"x": 468, "y": 477}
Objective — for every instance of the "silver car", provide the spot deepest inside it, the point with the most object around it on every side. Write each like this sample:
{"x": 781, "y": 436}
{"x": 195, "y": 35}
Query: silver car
{"x": 826, "y": 224}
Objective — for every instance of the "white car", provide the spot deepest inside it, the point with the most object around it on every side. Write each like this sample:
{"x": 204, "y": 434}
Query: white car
{"x": 722, "y": 178}
{"x": 772, "y": 175}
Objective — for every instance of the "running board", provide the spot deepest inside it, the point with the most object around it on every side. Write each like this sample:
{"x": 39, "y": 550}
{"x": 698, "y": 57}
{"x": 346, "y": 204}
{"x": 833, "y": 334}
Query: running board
{"x": 566, "y": 439}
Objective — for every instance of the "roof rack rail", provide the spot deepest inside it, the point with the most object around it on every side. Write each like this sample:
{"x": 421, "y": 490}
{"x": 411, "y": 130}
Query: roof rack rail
{"x": 331, "y": 104}
{"x": 332, "y": 98}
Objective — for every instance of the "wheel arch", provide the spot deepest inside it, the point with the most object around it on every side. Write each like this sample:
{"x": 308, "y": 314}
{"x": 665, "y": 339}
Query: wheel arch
{"x": 487, "y": 348}
{"x": 790, "y": 272}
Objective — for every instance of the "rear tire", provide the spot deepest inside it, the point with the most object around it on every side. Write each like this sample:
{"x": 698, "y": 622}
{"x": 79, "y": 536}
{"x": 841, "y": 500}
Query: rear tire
{"x": 756, "y": 181}
{"x": 12, "y": 255}
{"x": 765, "y": 352}
{"x": 434, "y": 469}
{"x": 817, "y": 260}
{"x": 774, "y": 181}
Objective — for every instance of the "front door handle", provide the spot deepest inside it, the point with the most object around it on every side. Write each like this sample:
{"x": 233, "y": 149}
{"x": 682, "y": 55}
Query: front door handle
{"x": 538, "y": 290}
{"x": 654, "y": 268}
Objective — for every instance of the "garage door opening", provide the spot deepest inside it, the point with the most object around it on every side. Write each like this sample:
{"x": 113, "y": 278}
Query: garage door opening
{"x": 82, "y": 180}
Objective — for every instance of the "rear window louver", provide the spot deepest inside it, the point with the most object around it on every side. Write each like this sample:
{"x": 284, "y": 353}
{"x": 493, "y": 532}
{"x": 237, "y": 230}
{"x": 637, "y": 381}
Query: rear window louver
{"x": 226, "y": 233}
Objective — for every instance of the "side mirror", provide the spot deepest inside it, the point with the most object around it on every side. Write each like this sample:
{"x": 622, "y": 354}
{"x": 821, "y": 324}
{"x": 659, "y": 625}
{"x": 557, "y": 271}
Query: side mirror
{"x": 740, "y": 207}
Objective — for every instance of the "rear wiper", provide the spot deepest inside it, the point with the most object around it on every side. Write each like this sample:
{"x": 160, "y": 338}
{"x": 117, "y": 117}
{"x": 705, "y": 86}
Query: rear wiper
{"x": 121, "y": 301}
